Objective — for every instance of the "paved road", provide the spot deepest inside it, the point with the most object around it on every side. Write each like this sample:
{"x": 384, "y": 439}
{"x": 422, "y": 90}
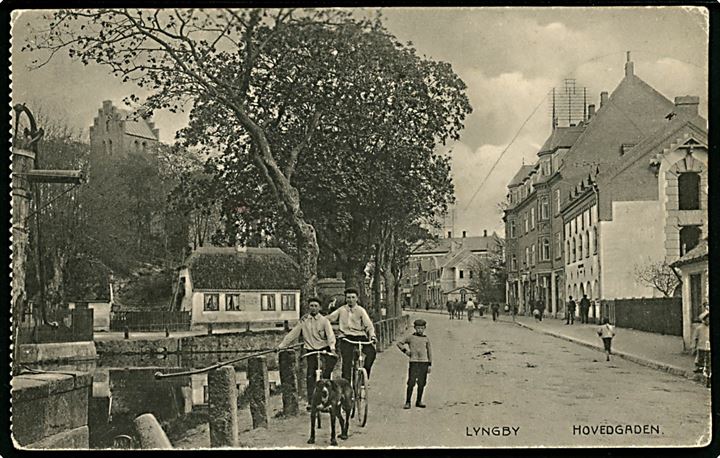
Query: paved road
{"x": 539, "y": 387}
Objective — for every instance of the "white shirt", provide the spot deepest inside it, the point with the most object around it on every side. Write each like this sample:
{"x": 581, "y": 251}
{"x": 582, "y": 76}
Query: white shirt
{"x": 353, "y": 321}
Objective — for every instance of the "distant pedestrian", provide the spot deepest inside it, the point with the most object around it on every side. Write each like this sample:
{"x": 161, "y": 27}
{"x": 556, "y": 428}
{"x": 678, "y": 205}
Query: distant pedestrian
{"x": 470, "y": 307}
{"x": 606, "y": 332}
{"x": 571, "y": 306}
{"x": 584, "y": 309}
{"x": 701, "y": 343}
{"x": 540, "y": 305}
{"x": 427, "y": 305}
{"x": 495, "y": 307}
{"x": 514, "y": 311}
{"x": 449, "y": 307}
{"x": 417, "y": 347}
{"x": 536, "y": 314}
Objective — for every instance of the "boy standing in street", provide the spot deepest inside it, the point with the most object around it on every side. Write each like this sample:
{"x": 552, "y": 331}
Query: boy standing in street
{"x": 606, "y": 332}
{"x": 417, "y": 347}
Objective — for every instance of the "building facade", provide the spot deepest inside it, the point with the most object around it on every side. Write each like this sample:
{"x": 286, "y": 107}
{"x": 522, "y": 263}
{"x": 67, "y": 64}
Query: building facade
{"x": 624, "y": 187}
{"x": 118, "y": 131}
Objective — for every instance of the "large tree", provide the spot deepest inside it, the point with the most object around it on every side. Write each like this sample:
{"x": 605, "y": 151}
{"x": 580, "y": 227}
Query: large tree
{"x": 281, "y": 93}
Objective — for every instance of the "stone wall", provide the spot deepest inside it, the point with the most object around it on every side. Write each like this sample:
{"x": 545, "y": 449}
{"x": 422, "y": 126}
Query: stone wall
{"x": 50, "y": 410}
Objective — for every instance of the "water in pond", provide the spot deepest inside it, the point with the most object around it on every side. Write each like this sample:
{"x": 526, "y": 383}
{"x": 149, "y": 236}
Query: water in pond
{"x": 125, "y": 387}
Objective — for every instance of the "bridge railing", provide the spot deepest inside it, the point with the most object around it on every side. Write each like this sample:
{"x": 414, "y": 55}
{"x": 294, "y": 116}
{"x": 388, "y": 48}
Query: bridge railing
{"x": 223, "y": 393}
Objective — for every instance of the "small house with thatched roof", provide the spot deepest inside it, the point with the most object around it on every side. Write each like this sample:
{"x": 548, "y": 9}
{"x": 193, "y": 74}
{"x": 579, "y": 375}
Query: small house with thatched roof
{"x": 233, "y": 286}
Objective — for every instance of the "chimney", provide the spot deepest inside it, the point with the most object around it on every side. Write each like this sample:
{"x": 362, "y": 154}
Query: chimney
{"x": 629, "y": 66}
{"x": 464, "y": 234}
{"x": 484, "y": 232}
{"x": 591, "y": 110}
{"x": 687, "y": 105}
{"x": 603, "y": 98}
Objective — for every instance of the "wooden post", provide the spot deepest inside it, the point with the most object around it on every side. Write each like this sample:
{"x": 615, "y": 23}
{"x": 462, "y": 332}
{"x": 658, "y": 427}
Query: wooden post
{"x": 259, "y": 390}
{"x": 301, "y": 371}
{"x": 222, "y": 406}
{"x": 150, "y": 434}
{"x": 288, "y": 382}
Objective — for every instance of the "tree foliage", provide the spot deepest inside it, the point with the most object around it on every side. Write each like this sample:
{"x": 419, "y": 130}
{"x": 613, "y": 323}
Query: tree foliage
{"x": 490, "y": 276}
{"x": 324, "y": 126}
{"x": 659, "y": 276}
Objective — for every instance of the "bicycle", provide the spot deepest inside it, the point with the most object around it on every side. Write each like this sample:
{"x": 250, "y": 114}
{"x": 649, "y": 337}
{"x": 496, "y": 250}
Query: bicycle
{"x": 319, "y": 370}
{"x": 359, "y": 383}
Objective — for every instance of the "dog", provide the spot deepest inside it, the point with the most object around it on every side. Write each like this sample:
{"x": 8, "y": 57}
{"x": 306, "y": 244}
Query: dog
{"x": 334, "y": 397}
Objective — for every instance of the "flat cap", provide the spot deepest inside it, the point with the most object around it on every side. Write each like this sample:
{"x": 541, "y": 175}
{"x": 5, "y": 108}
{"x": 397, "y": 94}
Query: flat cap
{"x": 419, "y": 322}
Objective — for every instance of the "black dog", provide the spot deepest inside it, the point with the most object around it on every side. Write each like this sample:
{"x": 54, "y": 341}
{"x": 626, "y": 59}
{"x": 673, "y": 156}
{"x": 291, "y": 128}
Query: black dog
{"x": 334, "y": 397}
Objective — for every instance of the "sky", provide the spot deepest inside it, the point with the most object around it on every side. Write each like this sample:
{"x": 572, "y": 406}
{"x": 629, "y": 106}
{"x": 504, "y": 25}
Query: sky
{"x": 509, "y": 58}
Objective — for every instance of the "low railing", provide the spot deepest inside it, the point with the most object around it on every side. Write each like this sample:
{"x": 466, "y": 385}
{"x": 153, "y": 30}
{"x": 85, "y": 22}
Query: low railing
{"x": 150, "y": 320}
{"x": 223, "y": 393}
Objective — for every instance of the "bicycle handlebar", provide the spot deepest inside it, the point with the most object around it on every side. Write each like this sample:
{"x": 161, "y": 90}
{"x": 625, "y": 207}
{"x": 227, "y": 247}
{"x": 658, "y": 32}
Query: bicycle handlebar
{"x": 357, "y": 342}
{"x": 320, "y": 352}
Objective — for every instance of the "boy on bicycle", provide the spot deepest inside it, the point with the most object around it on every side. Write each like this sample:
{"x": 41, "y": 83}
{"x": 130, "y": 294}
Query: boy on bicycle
{"x": 317, "y": 335}
{"x": 355, "y": 325}
{"x": 417, "y": 347}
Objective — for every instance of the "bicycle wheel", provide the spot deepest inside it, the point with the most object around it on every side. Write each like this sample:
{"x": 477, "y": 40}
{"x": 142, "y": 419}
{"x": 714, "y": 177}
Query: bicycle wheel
{"x": 361, "y": 396}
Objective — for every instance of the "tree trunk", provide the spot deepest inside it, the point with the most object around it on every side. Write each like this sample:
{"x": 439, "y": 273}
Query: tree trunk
{"x": 307, "y": 257}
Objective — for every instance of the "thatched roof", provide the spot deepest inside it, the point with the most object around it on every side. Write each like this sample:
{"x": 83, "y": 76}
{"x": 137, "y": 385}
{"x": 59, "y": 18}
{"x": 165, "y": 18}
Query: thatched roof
{"x": 215, "y": 268}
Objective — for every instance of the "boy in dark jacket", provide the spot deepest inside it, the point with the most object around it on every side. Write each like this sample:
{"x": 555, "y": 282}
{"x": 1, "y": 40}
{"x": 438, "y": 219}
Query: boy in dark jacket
{"x": 417, "y": 347}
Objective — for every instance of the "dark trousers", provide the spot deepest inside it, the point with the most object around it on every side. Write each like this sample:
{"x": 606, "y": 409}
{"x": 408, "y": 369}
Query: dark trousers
{"x": 495, "y": 314}
{"x": 570, "y": 317}
{"x": 312, "y": 365}
{"x": 417, "y": 374}
{"x": 607, "y": 343}
{"x": 347, "y": 351}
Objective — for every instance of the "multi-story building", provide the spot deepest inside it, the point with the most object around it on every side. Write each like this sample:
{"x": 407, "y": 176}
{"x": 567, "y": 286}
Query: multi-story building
{"x": 613, "y": 197}
{"x": 442, "y": 268}
{"x": 118, "y": 131}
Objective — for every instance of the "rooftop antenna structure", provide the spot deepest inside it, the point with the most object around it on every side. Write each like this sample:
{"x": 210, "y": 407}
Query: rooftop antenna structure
{"x": 569, "y": 104}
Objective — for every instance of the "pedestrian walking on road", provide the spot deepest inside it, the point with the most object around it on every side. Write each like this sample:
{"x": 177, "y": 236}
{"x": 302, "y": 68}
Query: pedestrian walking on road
{"x": 514, "y": 311}
{"x": 495, "y": 307}
{"x": 584, "y": 309}
{"x": 606, "y": 332}
{"x": 470, "y": 307}
{"x": 417, "y": 347}
{"x": 540, "y": 305}
{"x": 571, "y": 306}
{"x": 449, "y": 307}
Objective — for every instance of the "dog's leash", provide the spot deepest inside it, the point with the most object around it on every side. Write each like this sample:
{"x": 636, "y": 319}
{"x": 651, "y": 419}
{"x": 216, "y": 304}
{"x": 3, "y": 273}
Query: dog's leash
{"x": 160, "y": 375}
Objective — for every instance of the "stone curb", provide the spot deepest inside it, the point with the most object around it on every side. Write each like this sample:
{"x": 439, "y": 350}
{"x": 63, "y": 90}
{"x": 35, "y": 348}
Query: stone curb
{"x": 628, "y": 356}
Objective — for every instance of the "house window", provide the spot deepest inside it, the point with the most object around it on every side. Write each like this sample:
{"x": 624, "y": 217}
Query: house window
{"x": 689, "y": 238}
{"x": 527, "y": 256}
{"x": 471, "y": 274}
{"x": 287, "y": 302}
{"x": 532, "y": 255}
{"x": 557, "y": 201}
{"x": 527, "y": 227}
{"x": 267, "y": 302}
{"x": 574, "y": 250}
{"x": 107, "y": 125}
{"x": 544, "y": 208}
{"x": 580, "y": 247}
{"x": 595, "y": 240}
{"x": 567, "y": 252}
{"x": 689, "y": 190}
{"x": 211, "y": 302}
{"x": 232, "y": 303}
{"x": 558, "y": 245}
{"x": 545, "y": 253}
{"x": 532, "y": 218}
{"x": 110, "y": 147}
{"x": 512, "y": 229}
{"x": 587, "y": 244}
{"x": 513, "y": 263}
{"x": 462, "y": 274}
